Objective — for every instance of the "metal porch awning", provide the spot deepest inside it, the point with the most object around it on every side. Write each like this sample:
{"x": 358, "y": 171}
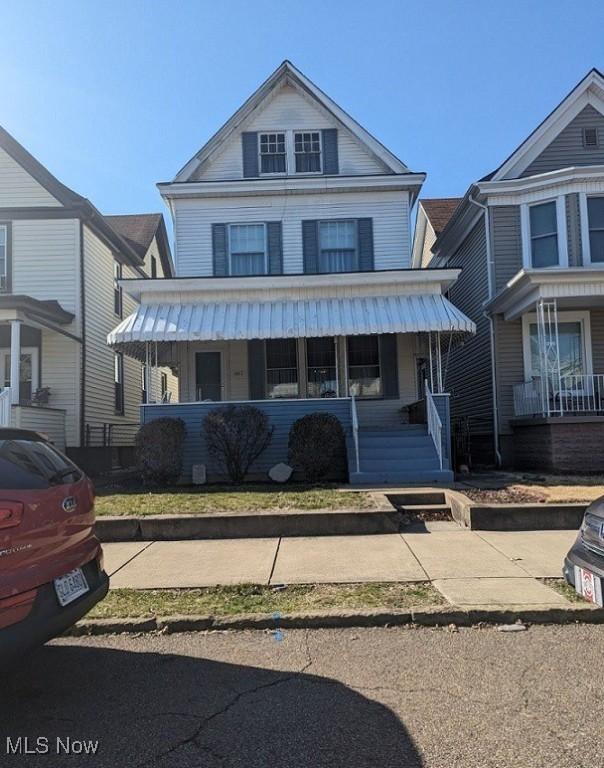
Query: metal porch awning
{"x": 296, "y": 318}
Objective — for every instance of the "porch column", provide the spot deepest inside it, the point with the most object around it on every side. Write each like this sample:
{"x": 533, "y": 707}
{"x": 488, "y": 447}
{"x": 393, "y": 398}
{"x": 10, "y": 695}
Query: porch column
{"x": 15, "y": 359}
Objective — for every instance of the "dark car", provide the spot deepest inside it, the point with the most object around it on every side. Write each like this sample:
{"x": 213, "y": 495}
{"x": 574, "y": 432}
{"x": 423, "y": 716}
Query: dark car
{"x": 51, "y": 563}
{"x": 584, "y": 564}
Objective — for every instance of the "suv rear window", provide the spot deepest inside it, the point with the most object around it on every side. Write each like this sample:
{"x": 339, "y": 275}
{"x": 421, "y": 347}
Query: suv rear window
{"x": 33, "y": 464}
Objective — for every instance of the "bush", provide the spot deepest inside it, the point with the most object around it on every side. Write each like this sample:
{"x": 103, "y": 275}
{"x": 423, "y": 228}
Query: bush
{"x": 235, "y": 436}
{"x": 317, "y": 447}
{"x": 160, "y": 445}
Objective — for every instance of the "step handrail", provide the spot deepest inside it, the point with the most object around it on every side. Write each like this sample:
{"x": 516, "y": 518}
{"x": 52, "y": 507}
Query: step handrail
{"x": 435, "y": 425}
{"x": 355, "y": 430}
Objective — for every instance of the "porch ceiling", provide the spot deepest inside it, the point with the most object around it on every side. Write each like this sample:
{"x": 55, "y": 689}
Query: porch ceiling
{"x": 302, "y": 318}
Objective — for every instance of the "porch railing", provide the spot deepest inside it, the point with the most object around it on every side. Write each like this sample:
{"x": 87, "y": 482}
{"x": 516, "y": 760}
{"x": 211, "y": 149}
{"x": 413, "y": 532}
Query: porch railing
{"x": 576, "y": 394}
{"x": 435, "y": 425}
{"x": 5, "y": 403}
{"x": 355, "y": 430}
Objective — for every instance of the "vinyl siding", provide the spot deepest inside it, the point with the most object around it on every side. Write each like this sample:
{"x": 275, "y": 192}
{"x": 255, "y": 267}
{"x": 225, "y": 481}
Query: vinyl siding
{"x": 100, "y": 319}
{"x": 429, "y": 240}
{"x": 510, "y": 367}
{"x": 573, "y": 228}
{"x": 45, "y": 260}
{"x": 289, "y": 110}
{"x": 60, "y": 370}
{"x": 389, "y": 211}
{"x": 567, "y": 148}
{"x": 20, "y": 190}
{"x": 506, "y": 242}
{"x": 468, "y": 373}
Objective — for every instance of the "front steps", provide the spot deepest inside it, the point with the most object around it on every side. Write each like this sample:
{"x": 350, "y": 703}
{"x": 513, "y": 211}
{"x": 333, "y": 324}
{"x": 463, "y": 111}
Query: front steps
{"x": 400, "y": 456}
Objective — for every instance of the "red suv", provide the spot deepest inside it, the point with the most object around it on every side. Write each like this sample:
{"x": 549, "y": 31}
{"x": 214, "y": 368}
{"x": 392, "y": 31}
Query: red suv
{"x": 51, "y": 563}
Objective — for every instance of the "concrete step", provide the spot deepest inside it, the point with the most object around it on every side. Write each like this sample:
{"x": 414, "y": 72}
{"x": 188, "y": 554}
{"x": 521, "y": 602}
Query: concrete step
{"x": 424, "y": 509}
{"x": 419, "y": 451}
{"x": 377, "y": 441}
{"x": 401, "y": 429}
{"x": 417, "y": 498}
{"x": 417, "y": 477}
{"x": 394, "y": 465}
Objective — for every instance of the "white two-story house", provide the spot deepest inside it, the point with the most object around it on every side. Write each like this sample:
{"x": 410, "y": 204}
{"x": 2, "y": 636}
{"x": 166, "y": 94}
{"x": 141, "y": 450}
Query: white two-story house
{"x": 293, "y": 286}
{"x": 61, "y": 261}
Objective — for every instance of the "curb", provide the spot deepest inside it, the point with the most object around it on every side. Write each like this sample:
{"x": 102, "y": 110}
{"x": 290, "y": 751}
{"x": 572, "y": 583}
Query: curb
{"x": 426, "y": 617}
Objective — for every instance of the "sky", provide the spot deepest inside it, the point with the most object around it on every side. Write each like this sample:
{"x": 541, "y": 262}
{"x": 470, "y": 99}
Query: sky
{"x": 113, "y": 97}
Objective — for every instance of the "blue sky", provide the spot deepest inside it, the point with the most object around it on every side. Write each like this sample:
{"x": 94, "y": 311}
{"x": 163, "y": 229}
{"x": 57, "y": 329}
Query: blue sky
{"x": 115, "y": 96}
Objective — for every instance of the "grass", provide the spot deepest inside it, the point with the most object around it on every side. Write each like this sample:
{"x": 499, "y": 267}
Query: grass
{"x": 224, "y": 500}
{"x": 565, "y": 589}
{"x": 247, "y": 598}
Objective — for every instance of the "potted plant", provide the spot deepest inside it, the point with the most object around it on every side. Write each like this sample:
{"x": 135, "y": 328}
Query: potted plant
{"x": 41, "y": 396}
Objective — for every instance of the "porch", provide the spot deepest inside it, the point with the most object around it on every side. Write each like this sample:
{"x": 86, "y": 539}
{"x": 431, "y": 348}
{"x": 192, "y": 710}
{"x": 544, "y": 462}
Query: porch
{"x": 306, "y": 346}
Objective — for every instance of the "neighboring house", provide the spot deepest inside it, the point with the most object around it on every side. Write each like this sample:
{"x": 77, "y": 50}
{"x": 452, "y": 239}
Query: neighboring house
{"x": 432, "y": 217}
{"x": 60, "y": 265}
{"x": 529, "y": 238}
{"x": 293, "y": 286}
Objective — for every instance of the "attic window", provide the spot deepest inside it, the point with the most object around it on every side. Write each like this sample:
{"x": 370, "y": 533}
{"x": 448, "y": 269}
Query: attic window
{"x": 307, "y": 149}
{"x": 272, "y": 153}
{"x": 590, "y": 138}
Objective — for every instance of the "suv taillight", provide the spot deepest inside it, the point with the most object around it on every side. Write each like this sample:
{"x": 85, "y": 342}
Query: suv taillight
{"x": 11, "y": 513}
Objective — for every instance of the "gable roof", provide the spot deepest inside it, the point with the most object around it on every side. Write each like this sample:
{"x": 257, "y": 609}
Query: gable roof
{"x": 83, "y": 208}
{"x": 590, "y": 90}
{"x": 286, "y": 72}
{"x": 139, "y": 229}
{"x": 439, "y": 210}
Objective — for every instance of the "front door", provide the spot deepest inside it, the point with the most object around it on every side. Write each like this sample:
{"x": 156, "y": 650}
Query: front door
{"x": 208, "y": 376}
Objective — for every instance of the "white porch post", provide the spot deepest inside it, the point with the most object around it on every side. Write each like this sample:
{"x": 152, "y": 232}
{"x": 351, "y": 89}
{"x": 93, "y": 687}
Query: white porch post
{"x": 439, "y": 363}
{"x": 147, "y": 377}
{"x": 549, "y": 356}
{"x": 15, "y": 359}
{"x": 431, "y": 365}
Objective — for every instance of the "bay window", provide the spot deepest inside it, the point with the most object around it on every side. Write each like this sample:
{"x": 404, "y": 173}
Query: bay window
{"x": 595, "y": 218}
{"x": 364, "y": 377}
{"x": 281, "y": 368}
{"x": 544, "y": 235}
{"x": 247, "y": 249}
{"x": 338, "y": 247}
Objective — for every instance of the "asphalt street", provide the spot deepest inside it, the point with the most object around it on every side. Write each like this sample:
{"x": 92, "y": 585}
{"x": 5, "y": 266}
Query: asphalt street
{"x": 353, "y": 698}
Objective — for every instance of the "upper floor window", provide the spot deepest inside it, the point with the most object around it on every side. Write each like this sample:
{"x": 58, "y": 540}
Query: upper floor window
{"x": 247, "y": 249}
{"x": 118, "y": 383}
{"x": 3, "y": 257}
{"x": 307, "y": 151}
{"x": 590, "y": 137}
{"x": 272, "y": 153}
{"x": 544, "y": 235}
{"x": 153, "y": 267}
{"x": 117, "y": 289}
{"x": 595, "y": 218}
{"x": 338, "y": 248}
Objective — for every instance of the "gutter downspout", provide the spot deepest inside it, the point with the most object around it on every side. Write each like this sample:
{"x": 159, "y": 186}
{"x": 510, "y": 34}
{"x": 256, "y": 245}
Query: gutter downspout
{"x": 490, "y": 270}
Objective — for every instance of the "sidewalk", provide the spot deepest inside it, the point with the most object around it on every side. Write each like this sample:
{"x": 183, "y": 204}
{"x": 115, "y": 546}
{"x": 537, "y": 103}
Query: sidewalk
{"x": 470, "y": 568}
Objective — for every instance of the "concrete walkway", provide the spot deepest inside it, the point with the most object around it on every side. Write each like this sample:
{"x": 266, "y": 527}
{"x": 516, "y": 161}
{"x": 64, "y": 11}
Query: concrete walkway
{"x": 470, "y": 568}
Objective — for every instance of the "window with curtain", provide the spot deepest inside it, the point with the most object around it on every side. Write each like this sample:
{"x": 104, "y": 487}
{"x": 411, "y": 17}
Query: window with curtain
{"x": 571, "y": 346}
{"x": 281, "y": 368}
{"x": 338, "y": 251}
{"x": 3, "y": 258}
{"x": 247, "y": 249}
{"x": 307, "y": 151}
{"x": 595, "y": 216}
{"x": 117, "y": 290}
{"x": 364, "y": 379}
{"x": 272, "y": 153}
{"x": 321, "y": 367}
{"x": 118, "y": 380}
{"x": 544, "y": 235}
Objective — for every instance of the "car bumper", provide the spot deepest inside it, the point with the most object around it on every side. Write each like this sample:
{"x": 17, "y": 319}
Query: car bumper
{"x": 584, "y": 558}
{"x": 47, "y": 618}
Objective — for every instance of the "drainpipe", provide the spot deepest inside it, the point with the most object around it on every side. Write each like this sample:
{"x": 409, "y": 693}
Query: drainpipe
{"x": 490, "y": 270}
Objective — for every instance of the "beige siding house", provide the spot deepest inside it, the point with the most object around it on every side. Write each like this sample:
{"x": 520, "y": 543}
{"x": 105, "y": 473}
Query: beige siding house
{"x": 60, "y": 261}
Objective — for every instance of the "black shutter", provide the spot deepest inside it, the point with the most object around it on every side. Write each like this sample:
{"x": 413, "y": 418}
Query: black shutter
{"x": 365, "y": 236}
{"x": 249, "y": 145}
{"x": 389, "y": 364}
{"x": 256, "y": 366}
{"x": 219, "y": 249}
{"x": 330, "y": 151}
{"x": 275, "y": 247}
{"x": 310, "y": 246}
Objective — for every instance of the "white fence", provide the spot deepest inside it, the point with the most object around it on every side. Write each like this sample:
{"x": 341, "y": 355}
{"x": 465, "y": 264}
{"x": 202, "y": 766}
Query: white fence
{"x": 5, "y": 403}
{"x": 576, "y": 394}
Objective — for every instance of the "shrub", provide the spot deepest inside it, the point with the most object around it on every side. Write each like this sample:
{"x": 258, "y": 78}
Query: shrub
{"x": 235, "y": 436}
{"x": 317, "y": 447}
{"x": 160, "y": 446}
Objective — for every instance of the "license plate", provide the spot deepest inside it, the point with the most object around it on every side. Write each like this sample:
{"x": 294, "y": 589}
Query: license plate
{"x": 71, "y": 586}
{"x": 588, "y": 585}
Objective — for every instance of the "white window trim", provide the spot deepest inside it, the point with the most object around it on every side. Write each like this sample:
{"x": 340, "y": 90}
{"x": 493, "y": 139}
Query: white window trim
{"x": 287, "y": 154}
{"x": 525, "y": 228}
{"x": 292, "y": 145}
{"x": 584, "y": 222}
{"x": 245, "y": 224}
{"x": 5, "y": 275}
{"x": 290, "y": 152}
{"x": 582, "y": 317}
{"x": 35, "y": 364}
{"x": 356, "y": 242}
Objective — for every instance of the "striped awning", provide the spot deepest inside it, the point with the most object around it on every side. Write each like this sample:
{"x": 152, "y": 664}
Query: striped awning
{"x": 299, "y": 318}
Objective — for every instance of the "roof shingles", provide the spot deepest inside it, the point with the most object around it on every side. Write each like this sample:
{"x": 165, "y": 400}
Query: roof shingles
{"x": 439, "y": 210}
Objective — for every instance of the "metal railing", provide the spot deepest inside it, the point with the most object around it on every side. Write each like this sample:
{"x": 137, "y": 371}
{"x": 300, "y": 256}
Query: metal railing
{"x": 5, "y": 403}
{"x": 576, "y": 394}
{"x": 355, "y": 430}
{"x": 111, "y": 434}
{"x": 435, "y": 425}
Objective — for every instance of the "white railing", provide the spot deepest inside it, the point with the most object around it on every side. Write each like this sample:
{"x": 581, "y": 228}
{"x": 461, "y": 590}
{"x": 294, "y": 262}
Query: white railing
{"x": 576, "y": 394}
{"x": 355, "y": 430}
{"x": 5, "y": 403}
{"x": 435, "y": 425}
